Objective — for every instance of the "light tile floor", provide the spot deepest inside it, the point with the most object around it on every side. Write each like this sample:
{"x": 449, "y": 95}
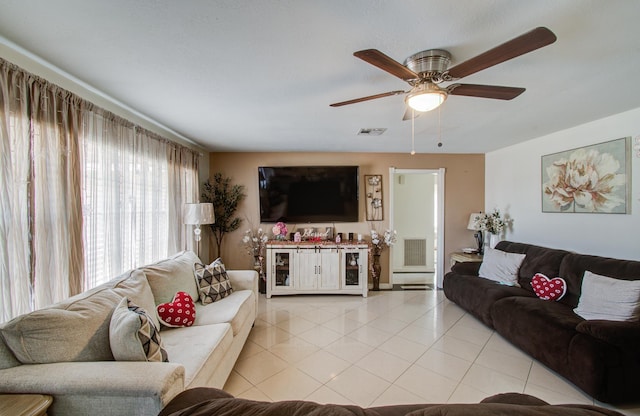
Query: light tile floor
{"x": 392, "y": 347}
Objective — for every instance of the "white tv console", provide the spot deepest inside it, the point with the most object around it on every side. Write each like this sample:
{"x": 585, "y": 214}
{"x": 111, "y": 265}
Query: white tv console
{"x": 317, "y": 267}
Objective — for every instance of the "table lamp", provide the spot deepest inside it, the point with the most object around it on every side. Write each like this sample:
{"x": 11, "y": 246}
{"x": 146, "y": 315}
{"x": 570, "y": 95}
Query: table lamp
{"x": 474, "y": 227}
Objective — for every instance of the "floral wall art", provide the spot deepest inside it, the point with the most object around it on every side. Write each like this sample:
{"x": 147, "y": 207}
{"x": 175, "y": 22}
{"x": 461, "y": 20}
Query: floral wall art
{"x": 373, "y": 190}
{"x": 593, "y": 179}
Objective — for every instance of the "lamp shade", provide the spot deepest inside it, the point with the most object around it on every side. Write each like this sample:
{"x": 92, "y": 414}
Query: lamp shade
{"x": 472, "y": 221}
{"x": 197, "y": 214}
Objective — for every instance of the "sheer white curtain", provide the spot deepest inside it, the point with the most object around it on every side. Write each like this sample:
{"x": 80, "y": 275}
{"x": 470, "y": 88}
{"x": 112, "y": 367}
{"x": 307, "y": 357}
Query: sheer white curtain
{"x": 132, "y": 186}
{"x": 85, "y": 195}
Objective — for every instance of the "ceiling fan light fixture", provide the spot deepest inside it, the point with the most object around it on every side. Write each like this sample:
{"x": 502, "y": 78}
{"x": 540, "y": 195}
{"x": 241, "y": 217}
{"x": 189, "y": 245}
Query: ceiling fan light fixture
{"x": 426, "y": 97}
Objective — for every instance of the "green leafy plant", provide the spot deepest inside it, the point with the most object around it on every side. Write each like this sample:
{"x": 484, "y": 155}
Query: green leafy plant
{"x": 225, "y": 198}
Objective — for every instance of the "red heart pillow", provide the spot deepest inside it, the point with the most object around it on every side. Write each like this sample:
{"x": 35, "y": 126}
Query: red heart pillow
{"x": 548, "y": 289}
{"x": 181, "y": 311}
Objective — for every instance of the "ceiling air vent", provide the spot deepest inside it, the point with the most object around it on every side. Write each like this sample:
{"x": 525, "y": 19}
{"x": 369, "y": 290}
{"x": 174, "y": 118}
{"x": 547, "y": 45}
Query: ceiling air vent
{"x": 372, "y": 131}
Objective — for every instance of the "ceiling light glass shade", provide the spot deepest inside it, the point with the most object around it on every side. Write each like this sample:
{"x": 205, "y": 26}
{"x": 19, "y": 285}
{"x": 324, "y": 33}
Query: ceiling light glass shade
{"x": 426, "y": 97}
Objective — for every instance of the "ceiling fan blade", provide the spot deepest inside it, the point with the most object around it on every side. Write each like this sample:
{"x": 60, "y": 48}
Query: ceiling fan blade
{"x": 530, "y": 41}
{"x": 382, "y": 61}
{"x": 485, "y": 91}
{"x": 370, "y": 97}
{"x": 408, "y": 113}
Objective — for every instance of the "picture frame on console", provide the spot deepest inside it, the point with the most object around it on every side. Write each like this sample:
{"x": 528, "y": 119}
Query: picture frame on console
{"x": 588, "y": 179}
{"x": 373, "y": 193}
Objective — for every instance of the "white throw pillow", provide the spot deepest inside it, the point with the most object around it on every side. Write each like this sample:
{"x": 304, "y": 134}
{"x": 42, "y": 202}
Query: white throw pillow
{"x": 607, "y": 298}
{"x": 500, "y": 266}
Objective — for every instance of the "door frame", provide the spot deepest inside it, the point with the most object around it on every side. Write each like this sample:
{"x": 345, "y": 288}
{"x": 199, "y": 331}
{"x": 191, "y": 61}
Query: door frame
{"x": 440, "y": 172}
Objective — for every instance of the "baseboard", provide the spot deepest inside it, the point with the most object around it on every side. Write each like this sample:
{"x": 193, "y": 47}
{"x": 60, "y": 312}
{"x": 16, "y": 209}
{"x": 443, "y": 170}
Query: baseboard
{"x": 383, "y": 286}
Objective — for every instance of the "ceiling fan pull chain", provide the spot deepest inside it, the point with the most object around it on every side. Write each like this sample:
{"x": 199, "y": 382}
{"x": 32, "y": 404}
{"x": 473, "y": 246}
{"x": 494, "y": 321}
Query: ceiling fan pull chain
{"x": 413, "y": 132}
{"x": 439, "y": 126}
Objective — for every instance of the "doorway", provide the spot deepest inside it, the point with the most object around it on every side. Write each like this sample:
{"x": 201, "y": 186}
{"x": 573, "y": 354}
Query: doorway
{"x": 417, "y": 214}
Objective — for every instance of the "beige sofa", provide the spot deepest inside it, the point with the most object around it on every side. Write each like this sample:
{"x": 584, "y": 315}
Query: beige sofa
{"x": 65, "y": 350}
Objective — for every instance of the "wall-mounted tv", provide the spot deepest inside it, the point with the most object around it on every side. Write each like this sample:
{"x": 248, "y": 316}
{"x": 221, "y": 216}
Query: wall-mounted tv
{"x": 308, "y": 194}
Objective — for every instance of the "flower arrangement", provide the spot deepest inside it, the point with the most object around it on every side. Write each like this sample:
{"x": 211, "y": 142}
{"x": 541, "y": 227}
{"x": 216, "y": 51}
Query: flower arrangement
{"x": 388, "y": 239}
{"x": 280, "y": 231}
{"x": 255, "y": 242}
{"x": 493, "y": 223}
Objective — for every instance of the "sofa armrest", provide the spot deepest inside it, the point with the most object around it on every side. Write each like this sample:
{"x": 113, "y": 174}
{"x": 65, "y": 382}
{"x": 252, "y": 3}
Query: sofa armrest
{"x": 243, "y": 279}
{"x": 468, "y": 268}
{"x": 621, "y": 334}
{"x": 77, "y": 386}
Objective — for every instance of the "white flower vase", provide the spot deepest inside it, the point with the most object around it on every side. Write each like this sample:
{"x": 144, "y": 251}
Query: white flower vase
{"x": 493, "y": 240}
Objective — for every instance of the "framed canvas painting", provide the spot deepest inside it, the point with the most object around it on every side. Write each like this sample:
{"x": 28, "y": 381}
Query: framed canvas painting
{"x": 594, "y": 179}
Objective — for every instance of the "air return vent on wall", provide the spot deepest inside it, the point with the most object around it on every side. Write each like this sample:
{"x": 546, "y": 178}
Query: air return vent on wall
{"x": 374, "y": 131}
{"x": 415, "y": 252}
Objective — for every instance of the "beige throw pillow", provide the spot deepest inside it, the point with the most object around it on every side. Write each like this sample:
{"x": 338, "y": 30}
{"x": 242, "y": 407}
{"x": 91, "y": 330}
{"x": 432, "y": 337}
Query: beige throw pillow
{"x": 607, "y": 298}
{"x": 75, "y": 330}
{"x": 173, "y": 275}
{"x": 136, "y": 288}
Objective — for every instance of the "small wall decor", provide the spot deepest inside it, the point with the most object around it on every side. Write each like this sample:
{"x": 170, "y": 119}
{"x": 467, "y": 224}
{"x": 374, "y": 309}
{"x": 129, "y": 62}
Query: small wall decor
{"x": 594, "y": 179}
{"x": 373, "y": 192}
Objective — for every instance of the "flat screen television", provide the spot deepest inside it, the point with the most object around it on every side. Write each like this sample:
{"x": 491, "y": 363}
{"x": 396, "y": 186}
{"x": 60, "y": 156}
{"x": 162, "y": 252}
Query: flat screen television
{"x": 308, "y": 194}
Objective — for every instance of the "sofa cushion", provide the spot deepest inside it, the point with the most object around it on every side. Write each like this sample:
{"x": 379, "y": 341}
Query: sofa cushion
{"x": 135, "y": 287}
{"x": 477, "y": 295}
{"x": 170, "y": 276}
{"x": 608, "y": 298}
{"x": 181, "y": 311}
{"x": 538, "y": 260}
{"x": 133, "y": 335}
{"x": 548, "y": 289}
{"x": 542, "y": 329}
{"x": 213, "y": 281}
{"x": 83, "y": 319}
{"x": 501, "y": 266}
{"x": 574, "y": 265}
{"x": 200, "y": 349}
{"x": 235, "y": 309}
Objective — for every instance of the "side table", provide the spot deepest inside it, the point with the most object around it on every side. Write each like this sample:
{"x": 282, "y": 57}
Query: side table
{"x": 460, "y": 257}
{"x": 24, "y": 404}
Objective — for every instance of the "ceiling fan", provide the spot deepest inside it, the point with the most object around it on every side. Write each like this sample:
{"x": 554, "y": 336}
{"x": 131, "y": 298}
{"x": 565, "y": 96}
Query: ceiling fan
{"x": 425, "y": 70}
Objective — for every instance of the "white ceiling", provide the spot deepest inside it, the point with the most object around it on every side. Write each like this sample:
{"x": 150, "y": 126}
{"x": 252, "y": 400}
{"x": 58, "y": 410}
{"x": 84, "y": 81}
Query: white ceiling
{"x": 242, "y": 75}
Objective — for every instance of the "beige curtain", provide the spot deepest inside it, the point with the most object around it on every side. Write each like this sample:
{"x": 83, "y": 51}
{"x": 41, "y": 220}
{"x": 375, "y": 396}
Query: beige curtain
{"x": 42, "y": 181}
{"x": 184, "y": 188}
{"x": 86, "y": 195}
{"x": 15, "y": 168}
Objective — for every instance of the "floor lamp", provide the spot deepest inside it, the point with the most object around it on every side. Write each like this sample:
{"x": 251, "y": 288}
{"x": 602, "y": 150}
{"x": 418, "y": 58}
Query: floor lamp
{"x": 198, "y": 214}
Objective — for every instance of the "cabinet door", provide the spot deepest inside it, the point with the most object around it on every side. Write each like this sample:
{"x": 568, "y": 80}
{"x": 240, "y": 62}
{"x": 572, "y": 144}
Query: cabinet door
{"x": 281, "y": 269}
{"x": 308, "y": 269}
{"x": 354, "y": 267}
{"x": 329, "y": 269}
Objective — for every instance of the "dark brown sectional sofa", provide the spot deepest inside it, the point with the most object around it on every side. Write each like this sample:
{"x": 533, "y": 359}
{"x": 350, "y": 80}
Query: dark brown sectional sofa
{"x": 204, "y": 401}
{"x": 600, "y": 357}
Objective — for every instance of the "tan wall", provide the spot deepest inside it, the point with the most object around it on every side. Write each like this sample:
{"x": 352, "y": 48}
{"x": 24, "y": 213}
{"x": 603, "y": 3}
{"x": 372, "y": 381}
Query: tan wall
{"x": 464, "y": 192}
